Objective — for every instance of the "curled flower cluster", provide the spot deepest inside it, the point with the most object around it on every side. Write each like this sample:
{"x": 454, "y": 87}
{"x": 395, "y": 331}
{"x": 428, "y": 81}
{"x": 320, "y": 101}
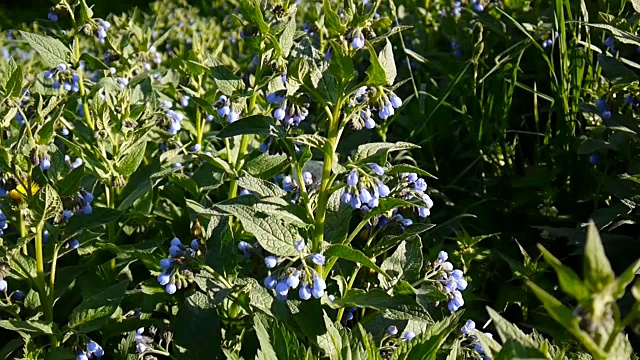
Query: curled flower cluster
{"x": 468, "y": 331}
{"x": 364, "y": 189}
{"x": 303, "y": 278}
{"x": 414, "y": 186}
{"x": 289, "y": 113}
{"x": 63, "y": 77}
{"x": 452, "y": 281}
{"x": 93, "y": 349}
{"x": 371, "y": 99}
{"x": 178, "y": 254}
{"x": 81, "y": 202}
{"x": 225, "y": 109}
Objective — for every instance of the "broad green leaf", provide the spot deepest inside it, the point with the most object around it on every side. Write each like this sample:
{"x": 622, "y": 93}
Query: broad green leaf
{"x": 131, "y": 159}
{"x": 286, "y": 38}
{"x": 262, "y": 187}
{"x": 426, "y": 345}
{"x": 332, "y": 20}
{"x": 10, "y": 346}
{"x": 94, "y": 61}
{"x": 35, "y": 327}
{"x": 509, "y": 331}
{"x": 389, "y": 241}
{"x": 255, "y": 124}
{"x": 226, "y": 80}
{"x": 403, "y": 168}
{"x": 405, "y": 262}
{"x": 513, "y": 349}
{"x": 276, "y": 341}
{"x": 597, "y": 270}
{"x": 52, "y": 51}
{"x": 348, "y": 253}
{"x": 85, "y": 12}
{"x": 93, "y": 313}
{"x": 13, "y": 87}
{"x": 337, "y": 219}
{"x": 100, "y": 216}
{"x": 331, "y": 341}
{"x": 313, "y": 140}
{"x": 265, "y": 165}
{"x": 273, "y": 235}
{"x": 341, "y": 64}
{"x": 251, "y": 10}
{"x": 49, "y": 204}
{"x": 400, "y": 307}
{"x": 614, "y": 70}
{"x": 570, "y": 282}
{"x": 377, "y": 152}
{"x": 197, "y": 329}
{"x": 70, "y": 183}
{"x": 564, "y": 315}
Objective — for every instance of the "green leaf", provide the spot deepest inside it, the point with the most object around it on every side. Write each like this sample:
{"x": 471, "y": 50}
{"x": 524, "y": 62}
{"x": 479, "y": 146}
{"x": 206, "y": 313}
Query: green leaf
{"x": 398, "y": 307}
{"x": 377, "y": 152}
{"x": 614, "y": 70}
{"x": 52, "y": 51}
{"x": 314, "y": 140}
{"x": 273, "y": 235}
{"x": 598, "y": 273}
{"x": 406, "y": 261}
{"x": 337, "y": 219}
{"x": 99, "y": 216}
{"x": 85, "y": 12}
{"x": 403, "y": 168}
{"x": 197, "y": 329}
{"x": 93, "y": 313}
{"x": 131, "y": 159}
{"x": 276, "y": 341}
{"x": 426, "y": 345}
{"x": 10, "y": 346}
{"x": 507, "y": 330}
{"x": 94, "y": 61}
{"x": 49, "y": 204}
{"x": 286, "y": 38}
{"x": 331, "y": 341}
{"x": 251, "y": 10}
{"x": 262, "y": 187}
{"x": 636, "y": 5}
{"x": 36, "y": 327}
{"x": 390, "y": 241}
{"x": 348, "y": 253}
{"x": 625, "y": 279}
{"x": 564, "y": 316}
{"x": 341, "y": 64}
{"x": 382, "y": 70}
{"x": 265, "y": 165}
{"x": 332, "y": 20}
{"x": 226, "y": 80}
{"x": 570, "y": 282}
{"x": 70, "y": 183}
{"x": 13, "y": 87}
{"x": 255, "y": 124}
{"x": 512, "y": 349}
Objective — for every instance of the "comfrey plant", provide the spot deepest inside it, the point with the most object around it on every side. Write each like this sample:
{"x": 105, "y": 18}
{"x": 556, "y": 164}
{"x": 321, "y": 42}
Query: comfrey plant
{"x": 125, "y": 138}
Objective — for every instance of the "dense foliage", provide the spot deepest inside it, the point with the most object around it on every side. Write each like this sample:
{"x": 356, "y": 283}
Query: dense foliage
{"x": 336, "y": 179}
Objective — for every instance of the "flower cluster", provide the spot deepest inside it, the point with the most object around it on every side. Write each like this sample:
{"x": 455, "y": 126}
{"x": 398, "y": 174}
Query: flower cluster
{"x": 468, "y": 330}
{"x": 289, "y": 113}
{"x": 452, "y": 281}
{"x": 370, "y": 100}
{"x": 547, "y": 43}
{"x": 175, "y": 121}
{"x": 81, "y": 202}
{"x": 3, "y": 219}
{"x": 605, "y": 113}
{"x": 143, "y": 343}
{"x": 75, "y": 164}
{"x": 303, "y": 278}
{"x": 413, "y": 186}
{"x": 226, "y": 109}
{"x": 93, "y": 349}
{"x": 406, "y": 336}
{"x": 179, "y": 253}
{"x": 364, "y": 189}
{"x": 63, "y": 77}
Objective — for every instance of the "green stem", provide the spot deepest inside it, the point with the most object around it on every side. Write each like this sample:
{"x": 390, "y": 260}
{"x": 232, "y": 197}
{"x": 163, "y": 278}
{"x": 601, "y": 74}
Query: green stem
{"x": 23, "y": 233}
{"x": 110, "y": 194}
{"x": 85, "y": 105}
{"x": 349, "y": 286}
{"x": 42, "y": 288}
{"x": 325, "y": 185}
{"x": 52, "y": 283}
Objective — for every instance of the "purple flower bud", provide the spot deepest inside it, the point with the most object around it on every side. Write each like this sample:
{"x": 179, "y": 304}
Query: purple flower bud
{"x": 270, "y": 282}
{"x": 392, "y": 330}
{"x": 365, "y": 196}
{"x": 271, "y": 261}
{"x": 377, "y": 169}
{"x": 317, "y": 259}
{"x": 346, "y": 197}
{"x": 233, "y": 116}
{"x": 3, "y": 285}
{"x": 305, "y": 292}
{"x": 282, "y": 288}
{"x": 224, "y": 111}
{"x": 396, "y": 102}
{"x": 352, "y": 179}
{"x": 299, "y": 245}
{"x": 408, "y": 335}
{"x": 52, "y": 16}
{"x": 171, "y": 288}
{"x": 165, "y": 264}
{"x": 243, "y": 246}
{"x": 383, "y": 190}
{"x": 293, "y": 280}
{"x": 164, "y": 279}
{"x": 369, "y": 123}
{"x": 87, "y": 209}
{"x": 45, "y": 164}
{"x": 176, "y": 242}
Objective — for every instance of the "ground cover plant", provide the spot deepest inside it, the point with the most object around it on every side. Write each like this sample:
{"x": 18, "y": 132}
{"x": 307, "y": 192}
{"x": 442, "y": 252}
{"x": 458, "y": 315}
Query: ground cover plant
{"x": 336, "y": 179}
